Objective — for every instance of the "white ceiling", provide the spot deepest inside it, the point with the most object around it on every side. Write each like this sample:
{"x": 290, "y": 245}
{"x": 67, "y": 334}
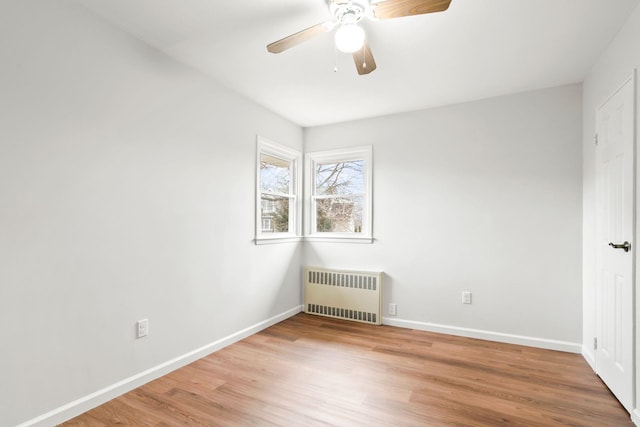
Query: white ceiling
{"x": 476, "y": 49}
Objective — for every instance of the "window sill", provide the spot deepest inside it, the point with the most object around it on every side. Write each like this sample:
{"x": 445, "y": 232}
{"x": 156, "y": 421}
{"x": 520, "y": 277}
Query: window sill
{"x": 273, "y": 240}
{"x": 313, "y": 239}
{"x": 336, "y": 239}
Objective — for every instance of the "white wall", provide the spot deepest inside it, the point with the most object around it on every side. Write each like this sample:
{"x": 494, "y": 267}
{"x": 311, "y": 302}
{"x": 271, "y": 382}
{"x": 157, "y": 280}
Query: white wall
{"x": 612, "y": 68}
{"x": 126, "y": 192}
{"x": 484, "y": 197}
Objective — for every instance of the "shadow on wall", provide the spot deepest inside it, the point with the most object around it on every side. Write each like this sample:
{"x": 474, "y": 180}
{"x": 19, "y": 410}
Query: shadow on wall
{"x": 286, "y": 288}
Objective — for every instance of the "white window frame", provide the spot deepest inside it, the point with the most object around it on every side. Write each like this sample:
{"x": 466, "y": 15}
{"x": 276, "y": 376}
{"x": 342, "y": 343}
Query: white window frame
{"x": 341, "y": 155}
{"x": 265, "y": 146}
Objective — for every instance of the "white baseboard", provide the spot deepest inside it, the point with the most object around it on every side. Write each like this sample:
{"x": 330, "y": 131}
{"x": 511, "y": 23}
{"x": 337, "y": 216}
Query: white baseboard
{"x": 99, "y": 397}
{"x": 635, "y": 417}
{"x": 486, "y": 335}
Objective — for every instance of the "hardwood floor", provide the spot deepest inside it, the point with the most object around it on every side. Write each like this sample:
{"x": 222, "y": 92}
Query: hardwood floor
{"x": 315, "y": 371}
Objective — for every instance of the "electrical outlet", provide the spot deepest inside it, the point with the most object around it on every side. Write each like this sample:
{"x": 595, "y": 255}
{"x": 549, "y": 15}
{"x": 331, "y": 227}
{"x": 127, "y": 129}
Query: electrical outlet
{"x": 466, "y": 297}
{"x": 392, "y": 309}
{"x": 143, "y": 328}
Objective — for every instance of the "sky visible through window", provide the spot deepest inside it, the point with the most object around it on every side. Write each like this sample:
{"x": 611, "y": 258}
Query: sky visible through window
{"x": 341, "y": 178}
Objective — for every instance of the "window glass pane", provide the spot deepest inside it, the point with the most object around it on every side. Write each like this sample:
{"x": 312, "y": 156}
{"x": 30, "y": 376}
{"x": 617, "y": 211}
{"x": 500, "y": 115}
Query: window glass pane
{"x": 275, "y": 174}
{"x": 340, "y": 178}
{"x": 275, "y": 214}
{"x": 339, "y": 214}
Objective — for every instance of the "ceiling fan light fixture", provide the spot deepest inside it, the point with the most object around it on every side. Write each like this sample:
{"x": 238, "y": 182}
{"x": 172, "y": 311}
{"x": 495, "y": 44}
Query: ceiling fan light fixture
{"x": 349, "y": 38}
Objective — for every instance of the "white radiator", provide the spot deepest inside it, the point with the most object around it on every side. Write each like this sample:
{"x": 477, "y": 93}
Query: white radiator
{"x": 351, "y": 295}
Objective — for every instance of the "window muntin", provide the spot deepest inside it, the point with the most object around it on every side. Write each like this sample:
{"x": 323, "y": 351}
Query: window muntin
{"x": 278, "y": 188}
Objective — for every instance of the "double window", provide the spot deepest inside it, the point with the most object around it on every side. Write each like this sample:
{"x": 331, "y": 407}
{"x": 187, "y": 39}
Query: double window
{"x": 338, "y": 202}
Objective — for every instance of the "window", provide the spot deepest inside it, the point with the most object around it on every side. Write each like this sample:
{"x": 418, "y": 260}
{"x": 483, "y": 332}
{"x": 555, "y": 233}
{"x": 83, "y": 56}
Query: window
{"x": 338, "y": 195}
{"x": 278, "y": 204}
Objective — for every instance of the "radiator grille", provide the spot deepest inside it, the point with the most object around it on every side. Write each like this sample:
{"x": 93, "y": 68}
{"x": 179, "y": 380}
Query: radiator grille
{"x": 343, "y": 313}
{"x": 343, "y": 279}
{"x": 351, "y": 295}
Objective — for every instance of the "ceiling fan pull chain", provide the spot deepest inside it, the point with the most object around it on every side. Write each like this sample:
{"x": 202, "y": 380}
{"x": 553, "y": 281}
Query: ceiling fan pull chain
{"x": 335, "y": 58}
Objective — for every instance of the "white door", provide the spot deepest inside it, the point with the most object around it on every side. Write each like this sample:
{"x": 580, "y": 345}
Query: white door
{"x": 615, "y": 245}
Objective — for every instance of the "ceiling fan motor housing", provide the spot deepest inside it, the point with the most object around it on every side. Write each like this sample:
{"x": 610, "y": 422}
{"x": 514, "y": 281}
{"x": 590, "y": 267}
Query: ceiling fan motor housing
{"x": 349, "y": 11}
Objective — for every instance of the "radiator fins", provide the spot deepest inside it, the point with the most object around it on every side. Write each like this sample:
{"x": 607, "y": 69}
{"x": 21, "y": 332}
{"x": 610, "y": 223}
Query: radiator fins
{"x": 347, "y": 280}
{"x": 342, "y": 313}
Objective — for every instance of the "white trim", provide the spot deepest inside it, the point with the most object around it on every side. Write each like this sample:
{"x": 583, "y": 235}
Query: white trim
{"x": 630, "y": 78}
{"x": 634, "y": 239}
{"x": 99, "y": 397}
{"x": 336, "y": 239}
{"x": 272, "y": 240}
{"x": 263, "y": 145}
{"x": 635, "y": 314}
{"x": 486, "y": 335}
{"x": 589, "y": 357}
{"x": 340, "y": 155}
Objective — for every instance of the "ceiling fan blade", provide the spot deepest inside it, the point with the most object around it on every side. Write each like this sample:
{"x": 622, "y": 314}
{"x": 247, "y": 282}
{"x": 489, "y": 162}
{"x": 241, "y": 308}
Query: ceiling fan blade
{"x": 398, "y": 8}
{"x": 364, "y": 59}
{"x": 300, "y": 37}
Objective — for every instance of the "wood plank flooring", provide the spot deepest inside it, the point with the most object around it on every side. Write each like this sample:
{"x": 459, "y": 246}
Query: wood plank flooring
{"x": 315, "y": 371}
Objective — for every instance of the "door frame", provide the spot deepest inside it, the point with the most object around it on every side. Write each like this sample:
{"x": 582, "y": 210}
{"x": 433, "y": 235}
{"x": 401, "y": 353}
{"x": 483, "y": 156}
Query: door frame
{"x": 635, "y": 414}
{"x": 634, "y": 409}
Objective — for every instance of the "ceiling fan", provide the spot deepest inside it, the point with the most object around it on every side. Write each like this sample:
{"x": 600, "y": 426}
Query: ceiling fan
{"x": 350, "y": 37}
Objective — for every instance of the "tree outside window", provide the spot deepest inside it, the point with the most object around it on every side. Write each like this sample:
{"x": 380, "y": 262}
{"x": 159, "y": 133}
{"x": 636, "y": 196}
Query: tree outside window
{"x": 340, "y": 191}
